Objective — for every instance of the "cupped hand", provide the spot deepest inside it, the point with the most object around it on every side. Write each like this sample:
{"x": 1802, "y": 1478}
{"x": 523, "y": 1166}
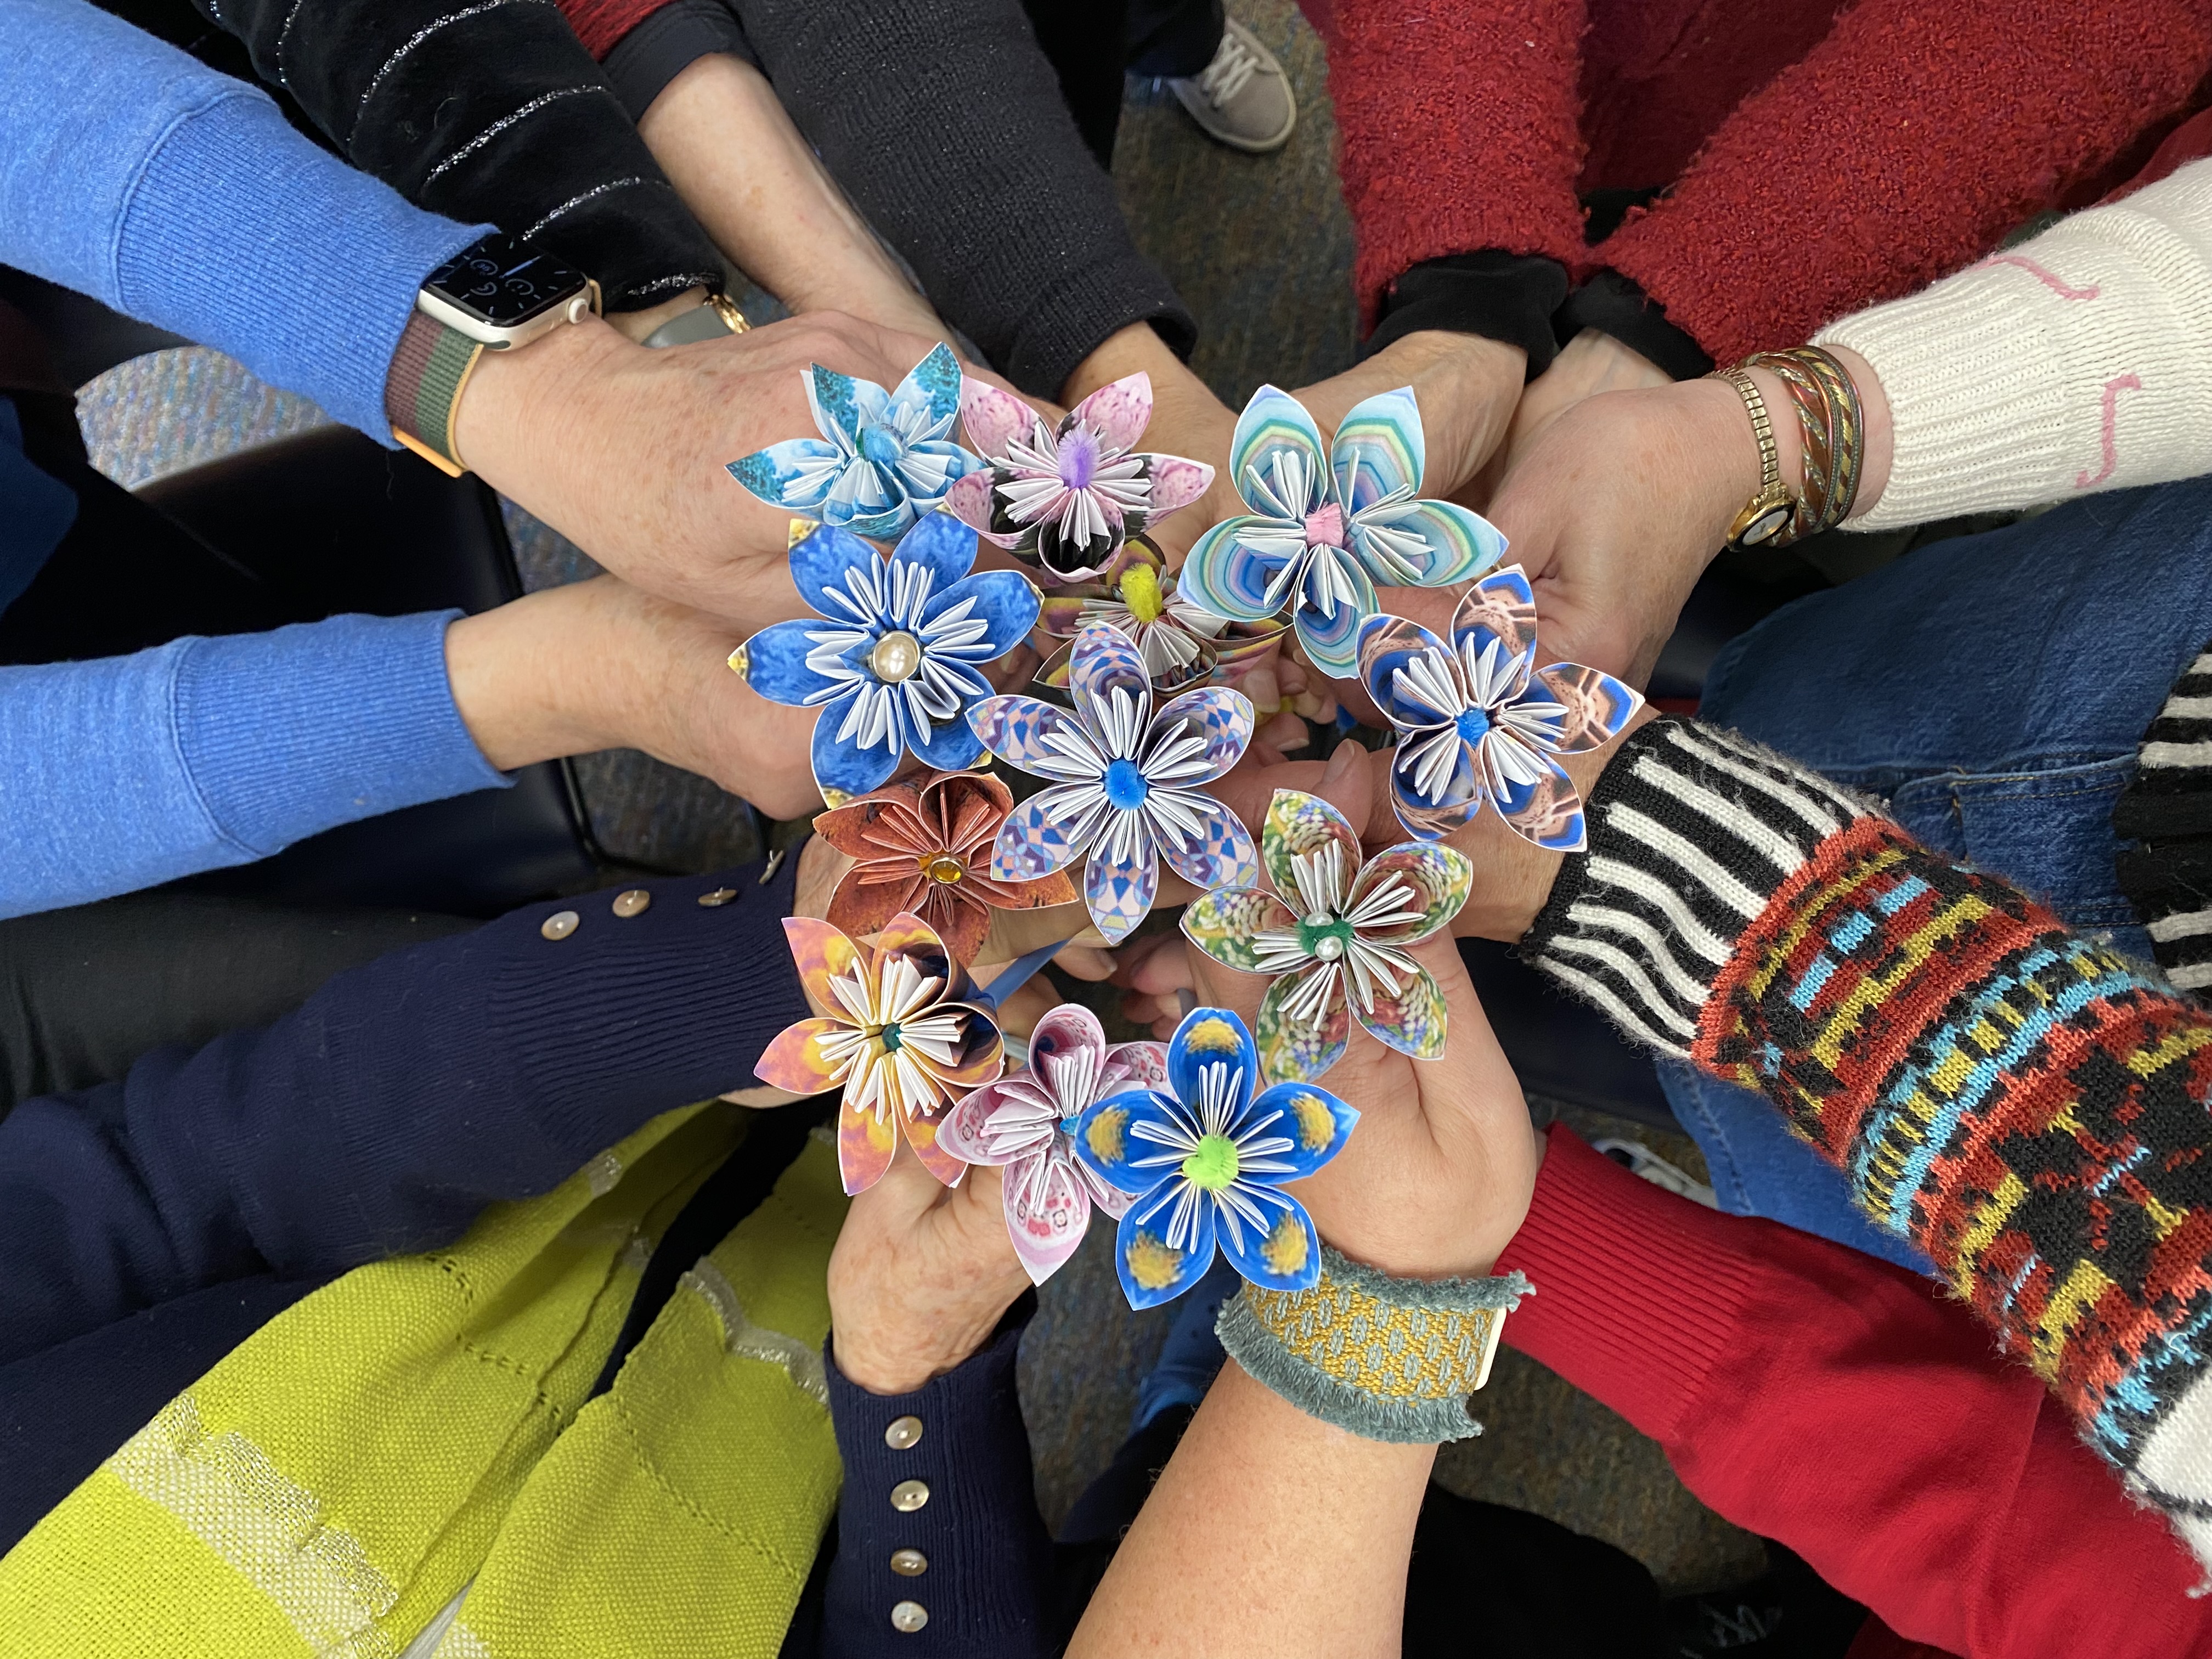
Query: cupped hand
{"x": 1467, "y": 388}
{"x": 1587, "y": 365}
{"x": 920, "y": 1276}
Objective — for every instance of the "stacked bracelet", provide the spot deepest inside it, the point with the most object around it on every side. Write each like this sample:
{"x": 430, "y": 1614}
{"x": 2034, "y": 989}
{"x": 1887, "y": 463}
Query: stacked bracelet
{"x": 1390, "y": 1359}
{"x": 1829, "y": 418}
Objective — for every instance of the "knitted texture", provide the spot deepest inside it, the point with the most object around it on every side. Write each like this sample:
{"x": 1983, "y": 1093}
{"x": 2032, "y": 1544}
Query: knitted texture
{"x": 1880, "y": 144}
{"x": 2079, "y": 360}
{"x": 2027, "y": 1107}
{"x": 1391, "y": 1359}
{"x": 2167, "y": 812}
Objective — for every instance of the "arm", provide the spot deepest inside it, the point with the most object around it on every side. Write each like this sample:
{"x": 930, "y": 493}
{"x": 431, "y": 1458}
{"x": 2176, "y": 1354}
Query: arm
{"x": 1966, "y": 1517}
{"x": 1884, "y": 129}
{"x": 386, "y": 1112}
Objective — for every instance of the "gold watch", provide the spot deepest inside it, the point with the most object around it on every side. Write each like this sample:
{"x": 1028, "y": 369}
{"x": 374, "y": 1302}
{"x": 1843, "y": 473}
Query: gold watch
{"x": 1766, "y": 518}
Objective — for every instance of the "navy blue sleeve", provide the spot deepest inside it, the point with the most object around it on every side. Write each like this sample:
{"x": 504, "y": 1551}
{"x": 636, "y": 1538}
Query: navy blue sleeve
{"x": 975, "y": 1557}
{"x": 390, "y": 1107}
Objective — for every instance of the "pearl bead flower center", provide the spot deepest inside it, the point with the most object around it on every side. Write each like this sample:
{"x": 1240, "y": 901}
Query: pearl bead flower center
{"x": 895, "y": 658}
{"x": 1325, "y": 937}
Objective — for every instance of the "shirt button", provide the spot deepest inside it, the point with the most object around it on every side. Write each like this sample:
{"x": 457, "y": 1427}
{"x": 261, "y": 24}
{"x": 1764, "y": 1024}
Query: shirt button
{"x": 903, "y": 1432}
{"x": 718, "y": 898}
{"x": 559, "y": 924}
{"x": 908, "y": 1617}
{"x": 635, "y": 902}
{"x": 909, "y": 1564}
{"x": 909, "y": 1496}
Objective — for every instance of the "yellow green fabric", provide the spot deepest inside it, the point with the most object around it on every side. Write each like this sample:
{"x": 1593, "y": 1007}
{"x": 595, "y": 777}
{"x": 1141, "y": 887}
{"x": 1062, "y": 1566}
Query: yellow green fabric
{"x": 419, "y": 1427}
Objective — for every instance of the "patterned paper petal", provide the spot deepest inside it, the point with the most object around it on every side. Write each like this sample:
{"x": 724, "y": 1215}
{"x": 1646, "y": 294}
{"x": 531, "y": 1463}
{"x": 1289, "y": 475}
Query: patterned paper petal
{"x": 933, "y": 384}
{"x": 881, "y": 526}
{"x": 1597, "y": 705}
{"x": 793, "y": 1061}
{"x": 1413, "y": 1022}
{"x": 796, "y": 474}
{"x": 1047, "y": 1212}
{"x": 1019, "y": 729}
{"x": 1145, "y": 1063}
{"x": 907, "y": 935}
{"x": 839, "y": 404}
{"x": 1316, "y": 1122}
{"x": 1287, "y": 1256}
{"x": 1440, "y": 878}
{"x": 1332, "y": 638}
{"x": 821, "y": 954}
{"x": 1005, "y": 601}
{"x": 1275, "y": 457}
{"x": 1299, "y": 823}
{"x": 1229, "y": 575}
{"x": 964, "y": 1131}
{"x": 1119, "y": 894}
{"x": 1176, "y": 483}
{"x": 865, "y": 1146}
{"x": 939, "y": 1160}
{"x": 1208, "y": 1035}
{"x": 1224, "y": 718}
{"x": 1387, "y": 644}
{"x": 1460, "y": 800}
{"x": 1152, "y": 1270}
{"x": 969, "y": 499}
{"x": 952, "y": 747}
{"x": 1106, "y": 1140}
{"x": 842, "y": 769}
{"x": 1033, "y": 843}
{"x": 927, "y": 471}
{"x": 1548, "y": 812}
{"x": 982, "y": 1057}
{"x": 884, "y": 822}
{"x": 1379, "y": 451}
{"x": 1223, "y": 855}
{"x": 942, "y": 545}
{"x": 992, "y": 418}
{"x": 1426, "y": 543}
{"x": 962, "y": 920}
{"x": 775, "y": 665}
{"x": 823, "y": 566}
{"x": 1224, "y": 922}
{"x": 1120, "y": 411}
{"x": 1105, "y": 660}
{"x": 860, "y": 906}
{"x": 1502, "y": 606}
{"x": 1300, "y": 1049}
{"x": 1068, "y": 1029}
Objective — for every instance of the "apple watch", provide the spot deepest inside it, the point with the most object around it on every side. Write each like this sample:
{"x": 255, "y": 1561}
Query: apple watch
{"x": 495, "y": 295}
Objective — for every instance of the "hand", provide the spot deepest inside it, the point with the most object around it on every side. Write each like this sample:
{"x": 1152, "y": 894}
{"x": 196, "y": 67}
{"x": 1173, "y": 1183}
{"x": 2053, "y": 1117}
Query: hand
{"x": 1467, "y": 388}
{"x": 920, "y": 1276}
{"x": 1591, "y": 363}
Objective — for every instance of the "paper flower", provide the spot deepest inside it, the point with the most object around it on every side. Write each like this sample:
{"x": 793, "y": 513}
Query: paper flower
{"x": 884, "y": 459}
{"x": 923, "y": 845}
{"x": 1067, "y": 498}
{"x": 1477, "y": 721}
{"x": 1026, "y": 1122}
{"x": 903, "y": 1049}
{"x": 1336, "y": 950}
{"x": 1207, "y": 1159}
{"x": 892, "y": 664}
{"x": 1181, "y": 642}
{"x": 1325, "y": 528}
{"x": 1124, "y": 782}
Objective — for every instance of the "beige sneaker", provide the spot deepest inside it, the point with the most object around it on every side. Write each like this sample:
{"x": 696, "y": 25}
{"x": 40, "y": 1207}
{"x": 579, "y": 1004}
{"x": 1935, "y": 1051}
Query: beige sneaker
{"x": 1243, "y": 98}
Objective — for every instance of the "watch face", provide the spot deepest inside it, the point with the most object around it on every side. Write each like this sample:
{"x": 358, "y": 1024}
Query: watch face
{"x": 1768, "y": 524}
{"x": 504, "y": 281}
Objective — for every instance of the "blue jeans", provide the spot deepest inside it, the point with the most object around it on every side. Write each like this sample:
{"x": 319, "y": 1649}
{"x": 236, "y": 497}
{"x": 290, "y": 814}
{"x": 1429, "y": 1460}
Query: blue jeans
{"x": 1991, "y": 689}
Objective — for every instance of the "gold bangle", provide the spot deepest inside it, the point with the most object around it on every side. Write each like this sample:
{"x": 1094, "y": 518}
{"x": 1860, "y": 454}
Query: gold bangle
{"x": 1766, "y": 519}
{"x": 1828, "y": 417}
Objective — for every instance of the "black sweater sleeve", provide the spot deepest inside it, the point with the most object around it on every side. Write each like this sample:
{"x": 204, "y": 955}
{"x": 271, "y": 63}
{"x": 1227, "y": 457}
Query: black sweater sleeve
{"x": 484, "y": 112}
{"x": 944, "y": 123}
{"x": 381, "y": 1115}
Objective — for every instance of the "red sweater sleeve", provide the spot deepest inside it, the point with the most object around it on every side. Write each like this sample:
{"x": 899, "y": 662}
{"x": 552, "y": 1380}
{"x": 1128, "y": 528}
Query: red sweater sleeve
{"x": 601, "y": 24}
{"x": 1835, "y": 1403}
{"x": 1902, "y": 148}
{"x": 1459, "y": 123}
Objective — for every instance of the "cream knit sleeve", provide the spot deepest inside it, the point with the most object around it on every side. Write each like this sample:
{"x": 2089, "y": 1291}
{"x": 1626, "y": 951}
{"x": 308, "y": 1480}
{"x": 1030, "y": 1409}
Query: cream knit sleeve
{"x": 2078, "y": 361}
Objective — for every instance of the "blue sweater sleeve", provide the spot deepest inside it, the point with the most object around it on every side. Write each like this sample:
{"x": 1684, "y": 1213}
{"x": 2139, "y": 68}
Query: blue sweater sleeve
{"x": 389, "y": 1109}
{"x": 178, "y": 195}
{"x": 120, "y": 773}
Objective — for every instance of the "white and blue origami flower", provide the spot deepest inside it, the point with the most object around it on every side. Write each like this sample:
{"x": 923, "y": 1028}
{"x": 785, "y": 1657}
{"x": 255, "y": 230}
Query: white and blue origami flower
{"x": 1125, "y": 782}
{"x": 1324, "y": 528}
{"x": 892, "y": 662}
{"x": 1208, "y": 1158}
{"x": 884, "y": 458}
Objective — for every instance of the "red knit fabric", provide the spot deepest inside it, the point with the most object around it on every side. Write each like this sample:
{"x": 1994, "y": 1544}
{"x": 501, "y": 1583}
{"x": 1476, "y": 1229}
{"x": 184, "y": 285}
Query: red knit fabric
{"x": 1456, "y": 138}
{"x": 1820, "y": 1397}
{"x": 1902, "y": 147}
{"x": 601, "y": 24}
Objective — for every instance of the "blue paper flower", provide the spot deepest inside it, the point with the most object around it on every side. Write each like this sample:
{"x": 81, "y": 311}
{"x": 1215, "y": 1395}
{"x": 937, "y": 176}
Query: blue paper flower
{"x": 1208, "y": 1159}
{"x": 1325, "y": 527}
{"x": 892, "y": 664}
{"x": 884, "y": 458}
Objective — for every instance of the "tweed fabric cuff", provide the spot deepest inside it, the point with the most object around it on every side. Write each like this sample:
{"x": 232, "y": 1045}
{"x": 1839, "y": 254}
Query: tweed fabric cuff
{"x": 429, "y": 372}
{"x": 1693, "y": 831}
{"x": 1390, "y": 1359}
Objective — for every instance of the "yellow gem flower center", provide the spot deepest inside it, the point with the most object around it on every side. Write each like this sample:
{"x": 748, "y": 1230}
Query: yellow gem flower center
{"x": 942, "y": 866}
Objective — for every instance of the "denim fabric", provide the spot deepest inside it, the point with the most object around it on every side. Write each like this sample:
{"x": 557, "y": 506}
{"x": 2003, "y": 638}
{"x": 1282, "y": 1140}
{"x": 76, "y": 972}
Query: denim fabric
{"x": 1991, "y": 692}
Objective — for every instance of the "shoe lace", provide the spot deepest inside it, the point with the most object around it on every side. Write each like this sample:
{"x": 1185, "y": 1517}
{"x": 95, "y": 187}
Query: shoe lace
{"x": 1233, "y": 65}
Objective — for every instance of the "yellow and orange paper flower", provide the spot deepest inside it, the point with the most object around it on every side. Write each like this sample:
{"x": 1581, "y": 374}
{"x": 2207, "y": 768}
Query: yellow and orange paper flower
{"x": 922, "y": 845}
{"x": 902, "y": 1046}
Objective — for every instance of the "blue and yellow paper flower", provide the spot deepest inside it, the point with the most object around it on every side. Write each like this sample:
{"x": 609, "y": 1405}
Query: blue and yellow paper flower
{"x": 1207, "y": 1158}
{"x": 1325, "y": 527}
{"x": 892, "y": 662}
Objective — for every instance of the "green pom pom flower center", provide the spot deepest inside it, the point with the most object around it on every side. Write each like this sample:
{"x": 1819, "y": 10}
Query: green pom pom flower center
{"x": 1211, "y": 1164}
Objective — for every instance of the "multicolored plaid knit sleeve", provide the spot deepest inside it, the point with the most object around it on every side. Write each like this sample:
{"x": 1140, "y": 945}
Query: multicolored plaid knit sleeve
{"x": 2024, "y": 1105}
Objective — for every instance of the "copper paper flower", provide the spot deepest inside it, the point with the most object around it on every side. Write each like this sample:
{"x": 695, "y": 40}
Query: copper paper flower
{"x": 924, "y": 845}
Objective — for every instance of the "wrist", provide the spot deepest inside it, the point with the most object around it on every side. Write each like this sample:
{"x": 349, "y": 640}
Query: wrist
{"x": 911, "y": 1359}
{"x": 527, "y": 676}
{"x": 521, "y": 410}
{"x": 639, "y": 326}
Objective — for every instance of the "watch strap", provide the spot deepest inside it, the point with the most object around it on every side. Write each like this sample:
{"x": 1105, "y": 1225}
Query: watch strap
{"x": 1773, "y": 493}
{"x": 429, "y": 372}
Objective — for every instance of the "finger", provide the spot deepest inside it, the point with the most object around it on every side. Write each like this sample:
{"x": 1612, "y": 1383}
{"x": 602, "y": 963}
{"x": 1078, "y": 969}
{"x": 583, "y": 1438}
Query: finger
{"x": 1031, "y": 1003}
{"x": 1217, "y": 987}
{"x": 1286, "y": 733}
{"x": 1263, "y": 688}
{"x": 896, "y": 1202}
{"x": 1154, "y": 964}
{"x": 1015, "y": 933}
{"x": 1086, "y": 962}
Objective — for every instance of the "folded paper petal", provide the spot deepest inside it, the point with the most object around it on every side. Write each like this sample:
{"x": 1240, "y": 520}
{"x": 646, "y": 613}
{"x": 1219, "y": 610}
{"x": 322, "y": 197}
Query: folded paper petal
{"x": 841, "y": 768}
{"x": 1300, "y": 1049}
{"x": 838, "y": 405}
{"x": 1387, "y": 644}
{"x": 1299, "y": 825}
{"x": 1426, "y": 543}
{"x": 1047, "y": 1212}
{"x": 775, "y": 665}
{"x": 1021, "y": 730}
{"x": 1501, "y": 607}
{"x": 1142, "y": 1064}
{"x": 861, "y": 908}
{"x": 796, "y": 474}
{"x": 969, "y": 499}
{"x": 1454, "y": 806}
{"x": 1548, "y": 812}
{"x": 795, "y": 1062}
{"x": 821, "y": 954}
{"x": 1223, "y": 716}
{"x": 964, "y": 1131}
{"x": 1331, "y": 636}
{"x": 1287, "y": 1256}
{"x": 1275, "y": 457}
{"x": 952, "y": 747}
{"x": 1119, "y": 893}
{"x": 1066, "y": 1031}
{"x": 1107, "y": 1139}
{"x": 1176, "y": 483}
{"x": 1209, "y": 1036}
{"x": 832, "y": 568}
{"x": 942, "y": 545}
{"x": 1151, "y": 1269}
{"x": 1597, "y": 705}
{"x": 1033, "y": 843}
{"x": 1440, "y": 877}
{"x": 992, "y": 418}
{"x": 1222, "y": 856}
{"x": 1224, "y": 923}
{"x": 1379, "y": 453}
{"x": 865, "y": 1143}
{"x": 1118, "y": 412}
{"x": 907, "y": 935}
{"x": 1106, "y": 659}
{"x": 921, "y": 1135}
{"x": 1232, "y": 576}
{"x": 1004, "y": 601}
{"x": 982, "y": 1057}
{"x": 933, "y": 386}
{"x": 1314, "y": 1121}
{"x": 1413, "y": 1022}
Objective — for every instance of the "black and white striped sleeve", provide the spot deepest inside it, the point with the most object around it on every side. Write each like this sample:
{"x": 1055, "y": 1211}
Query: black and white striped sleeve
{"x": 1692, "y": 831}
{"x": 2165, "y": 823}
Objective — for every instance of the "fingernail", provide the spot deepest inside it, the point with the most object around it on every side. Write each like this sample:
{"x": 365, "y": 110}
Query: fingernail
{"x": 1341, "y": 760}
